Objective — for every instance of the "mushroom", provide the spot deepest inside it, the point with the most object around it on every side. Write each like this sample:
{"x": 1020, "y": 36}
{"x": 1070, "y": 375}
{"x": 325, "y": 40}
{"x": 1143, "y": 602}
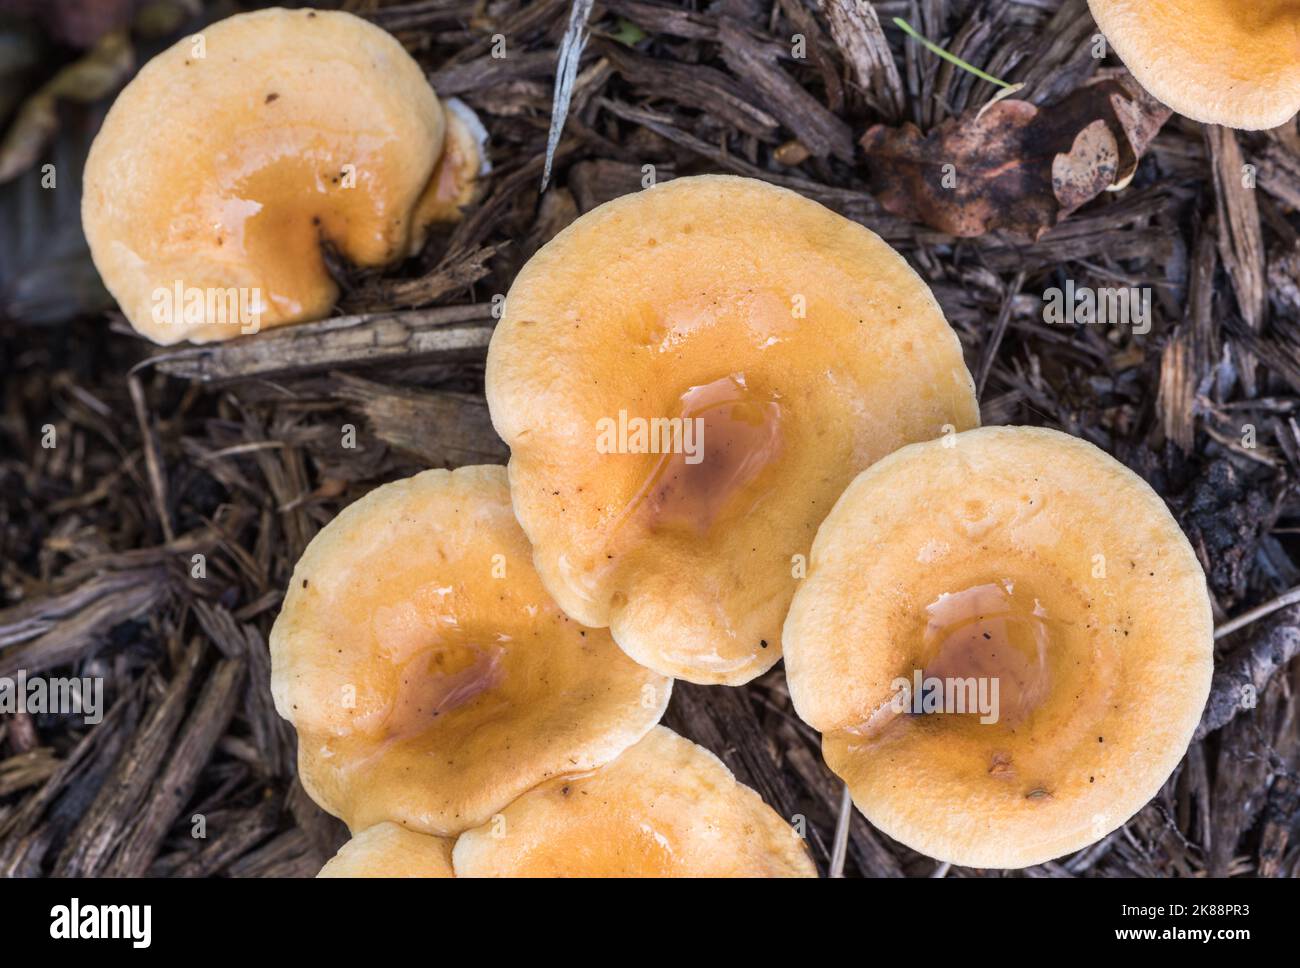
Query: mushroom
{"x": 1006, "y": 641}
{"x": 456, "y": 180}
{"x": 665, "y": 808}
{"x": 390, "y": 850}
{"x": 430, "y": 677}
{"x": 687, "y": 378}
{"x": 234, "y": 156}
{"x": 1223, "y": 62}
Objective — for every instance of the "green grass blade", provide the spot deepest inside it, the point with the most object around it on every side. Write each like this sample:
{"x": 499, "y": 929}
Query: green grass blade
{"x": 907, "y": 28}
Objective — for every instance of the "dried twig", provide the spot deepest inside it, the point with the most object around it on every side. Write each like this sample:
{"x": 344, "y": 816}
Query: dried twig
{"x": 566, "y": 74}
{"x": 1242, "y": 675}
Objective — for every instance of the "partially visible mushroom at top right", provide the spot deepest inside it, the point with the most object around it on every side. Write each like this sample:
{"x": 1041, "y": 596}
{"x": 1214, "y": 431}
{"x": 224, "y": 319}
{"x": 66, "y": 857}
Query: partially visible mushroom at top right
{"x": 1224, "y": 62}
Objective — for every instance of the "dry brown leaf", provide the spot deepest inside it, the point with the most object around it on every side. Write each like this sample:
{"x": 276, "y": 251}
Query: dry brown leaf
{"x": 1088, "y": 168}
{"x": 1013, "y": 165}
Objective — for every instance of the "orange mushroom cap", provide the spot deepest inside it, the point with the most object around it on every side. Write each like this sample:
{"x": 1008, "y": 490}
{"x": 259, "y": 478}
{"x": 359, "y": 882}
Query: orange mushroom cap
{"x": 232, "y": 156}
{"x": 430, "y": 677}
{"x": 1049, "y": 595}
{"x": 390, "y": 850}
{"x": 457, "y": 179}
{"x": 1229, "y": 62}
{"x": 665, "y": 808}
{"x": 792, "y": 348}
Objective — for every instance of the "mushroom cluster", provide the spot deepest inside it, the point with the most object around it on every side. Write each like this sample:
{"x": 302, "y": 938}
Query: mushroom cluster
{"x": 234, "y": 156}
{"x": 740, "y": 426}
{"x": 690, "y": 376}
{"x": 1228, "y": 62}
{"x": 437, "y": 689}
{"x": 738, "y": 422}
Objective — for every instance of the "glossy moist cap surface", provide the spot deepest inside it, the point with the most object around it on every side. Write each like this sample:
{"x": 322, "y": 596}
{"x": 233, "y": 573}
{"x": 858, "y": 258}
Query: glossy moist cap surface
{"x": 430, "y": 677}
{"x": 1022, "y": 555}
{"x": 221, "y": 169}
{"x": 665, "y": 808}
{"x": 1229, "y": 62}
{"x": 795, "y": 343}
{"x": 390, "y": 850}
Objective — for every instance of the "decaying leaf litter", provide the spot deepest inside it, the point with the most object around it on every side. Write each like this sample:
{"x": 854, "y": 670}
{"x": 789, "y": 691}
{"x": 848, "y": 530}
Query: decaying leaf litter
{"x": 234, "y": 451}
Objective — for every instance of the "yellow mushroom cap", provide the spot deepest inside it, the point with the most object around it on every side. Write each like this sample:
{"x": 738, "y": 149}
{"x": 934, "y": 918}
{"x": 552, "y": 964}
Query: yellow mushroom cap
{"x": 665, "y": 808}
{"x": 456, "y": 181}
{"x": 430, "y": 677}
{"x": 1229, "y": 62}
{"x": 802, "y": 345}
{"x": 228, "y": 160}
{"x": 1021, "y": 556}
{"x": 390, "y": 850}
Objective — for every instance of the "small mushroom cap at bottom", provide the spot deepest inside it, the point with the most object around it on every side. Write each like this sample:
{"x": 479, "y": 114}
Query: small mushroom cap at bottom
{"x": 665, "y": 808}
{"x": 1009, "y": 558}
{"x": 430, "y": 677}
{"x": 390, "y": 850}
{"x": 1229, "y": 62}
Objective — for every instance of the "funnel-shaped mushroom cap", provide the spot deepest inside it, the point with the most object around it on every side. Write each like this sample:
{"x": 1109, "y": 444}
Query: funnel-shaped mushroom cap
{"x": 390, "y": 850}
{"x": 233, "y": 155}
{"x": 687, "y": 378}
{"x": 1007, "y": 642}
{"x": 665, "y": 808}
{"x": 430, "y": 677}
{"x": 1229, "y": 62}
